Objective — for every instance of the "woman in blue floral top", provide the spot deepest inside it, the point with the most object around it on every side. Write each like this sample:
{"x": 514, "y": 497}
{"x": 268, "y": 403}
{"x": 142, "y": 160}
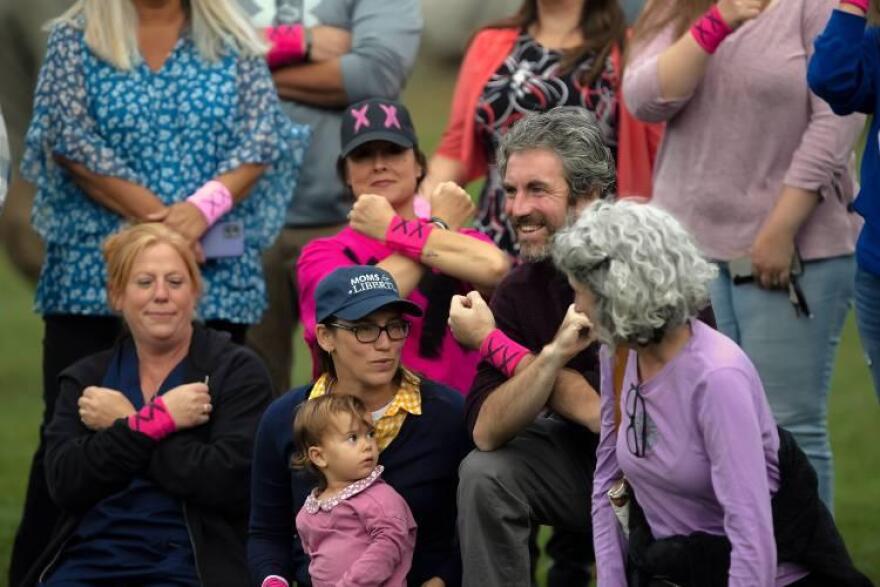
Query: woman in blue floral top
{"x": 150, "y": 110}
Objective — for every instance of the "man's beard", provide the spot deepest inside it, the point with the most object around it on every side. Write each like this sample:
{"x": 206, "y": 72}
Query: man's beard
{"x": 534, "y": 252}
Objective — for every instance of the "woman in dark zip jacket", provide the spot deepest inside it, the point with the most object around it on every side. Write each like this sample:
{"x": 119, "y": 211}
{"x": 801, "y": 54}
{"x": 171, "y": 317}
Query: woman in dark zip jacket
{"x": 148, "y": 452}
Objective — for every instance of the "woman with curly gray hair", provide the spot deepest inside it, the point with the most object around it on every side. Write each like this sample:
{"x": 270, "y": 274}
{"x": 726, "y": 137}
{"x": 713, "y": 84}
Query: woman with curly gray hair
{"x": 688, "y": 423}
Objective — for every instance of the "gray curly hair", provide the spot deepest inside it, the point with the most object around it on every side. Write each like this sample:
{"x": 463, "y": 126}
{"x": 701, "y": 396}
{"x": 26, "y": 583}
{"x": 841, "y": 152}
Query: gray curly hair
{"x": 571, "y": 133}
{"x": 642, "y": 266}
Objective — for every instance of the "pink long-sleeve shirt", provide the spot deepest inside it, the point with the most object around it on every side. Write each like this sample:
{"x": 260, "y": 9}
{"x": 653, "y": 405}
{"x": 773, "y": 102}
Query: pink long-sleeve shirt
{"x": 454, "y": 366}
{"x": 363, "y": 537}
{"x": 711, "y": 462}
{"x": 750, "y": 127}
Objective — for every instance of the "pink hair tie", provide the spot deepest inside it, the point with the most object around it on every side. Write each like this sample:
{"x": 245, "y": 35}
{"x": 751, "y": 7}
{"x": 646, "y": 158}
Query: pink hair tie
{"x": 274, "y": 581}
{"x": 860, "y": 4}
{"x": 408, "y": 237}
{"x": 502, "y": 353}
{"x": 288, "y": 45}
{"x": 213, "y": 200}
{"x": 153, "y": 420}
{"x": 710, "y": 30}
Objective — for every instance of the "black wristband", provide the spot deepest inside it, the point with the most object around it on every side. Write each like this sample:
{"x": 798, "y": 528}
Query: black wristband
{"x": 439, "y": 222}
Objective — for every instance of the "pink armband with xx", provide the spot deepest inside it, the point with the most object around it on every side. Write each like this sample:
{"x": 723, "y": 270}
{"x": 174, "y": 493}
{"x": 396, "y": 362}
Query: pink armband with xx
{"x": 408, "y": 237}
{"x": 213, "y": 200}
{"x": 288, "y": 45}
{"x": 710, "y": 30}
{"x": 274, "y": 581}
{"x": 860, "y": 4}
{"x": 502, "y": 353}
{"x": 153, "y": 420}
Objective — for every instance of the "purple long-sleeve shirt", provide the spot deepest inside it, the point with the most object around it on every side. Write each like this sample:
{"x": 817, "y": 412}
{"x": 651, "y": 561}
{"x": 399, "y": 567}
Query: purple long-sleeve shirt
{"x": 710, "y": 463}
{"x": 751, "y": 127}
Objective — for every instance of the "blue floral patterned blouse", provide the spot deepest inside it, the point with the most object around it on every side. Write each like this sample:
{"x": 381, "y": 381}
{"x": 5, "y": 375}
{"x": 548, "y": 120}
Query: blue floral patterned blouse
{"x": 170, "y": 131}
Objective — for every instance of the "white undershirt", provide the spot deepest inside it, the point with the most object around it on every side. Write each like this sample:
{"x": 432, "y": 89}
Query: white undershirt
{"x": 377, "y": 414}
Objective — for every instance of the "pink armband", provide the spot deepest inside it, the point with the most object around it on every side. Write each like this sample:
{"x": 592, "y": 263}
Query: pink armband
{"x": 502, "y": 353}
{"x": 710, "y": 30}
{"x": 213, "y": 200}
{"x": 153, "y": 420}
{"x": 288, "y": 45}
{"x": 274, "y": 581}
{"x": 408, "y": 237}
{"x": 860, "y": 4}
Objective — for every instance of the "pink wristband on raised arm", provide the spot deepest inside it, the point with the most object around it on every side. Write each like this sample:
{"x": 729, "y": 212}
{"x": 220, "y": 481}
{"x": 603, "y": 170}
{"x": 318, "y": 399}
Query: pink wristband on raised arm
{"x": 710, "y": 30}
{"x": 860, "y": 4}
{"x": 274, "y": 581}
{"x": 408, "y": 237}
{"x": 288, "y": 45}
{"x": 213, "y": 200}
{"x": 153, "y": 420}
{"x": 502, "y": 353}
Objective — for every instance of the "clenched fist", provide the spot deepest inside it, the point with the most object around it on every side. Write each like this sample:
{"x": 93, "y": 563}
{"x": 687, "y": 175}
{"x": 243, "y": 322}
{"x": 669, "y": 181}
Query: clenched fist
{"x": 371, "y": 215}
{"x": 99, "y": 407}
{"x": 188, "y": 405}
{"x": 470, "y": 319}
{"x": 451, "y": 204}
{"x": 575, "y": 334}
{"x": 738, "y": 12}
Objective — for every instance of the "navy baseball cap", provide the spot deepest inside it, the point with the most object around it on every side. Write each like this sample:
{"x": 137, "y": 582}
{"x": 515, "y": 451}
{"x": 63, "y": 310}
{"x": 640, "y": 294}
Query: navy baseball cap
{"x": 353, "y": 292}
{"x": 376, "y": 119}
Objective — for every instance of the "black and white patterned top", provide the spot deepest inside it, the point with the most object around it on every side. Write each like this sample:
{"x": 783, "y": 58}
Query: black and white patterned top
{"x": 530, "y": 80}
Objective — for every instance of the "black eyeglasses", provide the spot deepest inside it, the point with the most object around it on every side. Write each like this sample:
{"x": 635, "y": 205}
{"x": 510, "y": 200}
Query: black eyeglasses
{"x": 637, "y": 430}
{"x": 367, "y": 333}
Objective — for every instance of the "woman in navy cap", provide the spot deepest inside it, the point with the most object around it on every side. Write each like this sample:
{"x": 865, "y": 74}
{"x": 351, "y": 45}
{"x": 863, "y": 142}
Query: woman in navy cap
{"x": 420, "y": 243}
{"x": 362, "y": 326}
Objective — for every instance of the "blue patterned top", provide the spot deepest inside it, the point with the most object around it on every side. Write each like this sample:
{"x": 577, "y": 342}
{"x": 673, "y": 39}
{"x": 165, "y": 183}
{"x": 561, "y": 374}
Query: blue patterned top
{"x": 170, "y": 131}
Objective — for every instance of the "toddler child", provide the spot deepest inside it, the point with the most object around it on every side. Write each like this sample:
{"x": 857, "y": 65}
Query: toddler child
{"x": 356, "y": 528}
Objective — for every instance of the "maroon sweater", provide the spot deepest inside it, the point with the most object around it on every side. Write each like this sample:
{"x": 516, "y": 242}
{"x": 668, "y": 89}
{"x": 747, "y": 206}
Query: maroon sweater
{"x": 529, "y": 305}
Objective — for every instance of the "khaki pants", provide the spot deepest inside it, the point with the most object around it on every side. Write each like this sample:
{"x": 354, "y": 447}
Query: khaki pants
{"x": 271, "y": 337}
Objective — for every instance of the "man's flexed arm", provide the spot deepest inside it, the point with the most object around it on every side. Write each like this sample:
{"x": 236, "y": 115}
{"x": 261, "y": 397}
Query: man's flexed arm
{"x": 514, "y": 404}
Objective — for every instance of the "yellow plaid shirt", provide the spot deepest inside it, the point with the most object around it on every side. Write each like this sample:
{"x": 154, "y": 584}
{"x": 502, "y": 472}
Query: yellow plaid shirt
{"x": 408, "y": 399}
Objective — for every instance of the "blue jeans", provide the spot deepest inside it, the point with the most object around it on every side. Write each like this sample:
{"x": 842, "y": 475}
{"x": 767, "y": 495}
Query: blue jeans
{"x": 794, "y": 355}
{"x": 868, "y": 320}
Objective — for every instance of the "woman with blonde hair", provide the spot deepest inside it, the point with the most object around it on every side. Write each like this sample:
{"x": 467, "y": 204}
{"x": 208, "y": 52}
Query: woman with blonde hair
{"x": 160, "y": 110}
{"x": 148, "y": 452}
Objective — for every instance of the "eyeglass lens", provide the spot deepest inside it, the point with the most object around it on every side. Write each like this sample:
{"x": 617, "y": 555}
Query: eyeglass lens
{"x": 636, "y": 430}
{"x": 366, "y": 333}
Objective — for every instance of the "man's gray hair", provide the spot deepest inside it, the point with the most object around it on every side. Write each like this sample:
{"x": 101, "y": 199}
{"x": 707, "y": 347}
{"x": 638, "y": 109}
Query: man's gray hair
{"x": 573, "y": 135}
{"x": 641, "y": 265}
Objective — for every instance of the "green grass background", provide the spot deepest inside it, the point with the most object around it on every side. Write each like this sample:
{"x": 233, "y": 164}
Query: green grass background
{"x": 854, "y": 412}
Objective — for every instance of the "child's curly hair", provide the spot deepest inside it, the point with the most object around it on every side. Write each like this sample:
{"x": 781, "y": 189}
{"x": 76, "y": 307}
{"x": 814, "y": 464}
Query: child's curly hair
{"x": 313, "y": 417}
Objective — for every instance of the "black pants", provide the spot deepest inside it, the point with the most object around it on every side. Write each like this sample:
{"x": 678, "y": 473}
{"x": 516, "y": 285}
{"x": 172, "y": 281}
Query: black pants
{"x": 572, "y": 556}
{"x": 66, "y": 340}
{"x": 541, "y": 476}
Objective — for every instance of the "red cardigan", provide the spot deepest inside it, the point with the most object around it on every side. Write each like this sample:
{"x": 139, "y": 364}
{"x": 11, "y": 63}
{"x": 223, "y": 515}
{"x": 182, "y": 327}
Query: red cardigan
{"x": 637, "y": 142}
